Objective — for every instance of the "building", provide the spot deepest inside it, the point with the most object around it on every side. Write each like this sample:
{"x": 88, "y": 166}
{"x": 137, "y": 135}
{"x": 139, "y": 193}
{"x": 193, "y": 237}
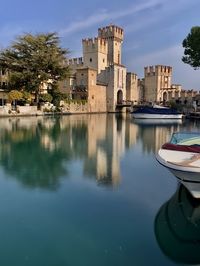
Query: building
{"x": 102, "y": 57}
{"x": 157, "y": 80}
{"x": 132, "y": 89}
{"x": 157, "y": 87}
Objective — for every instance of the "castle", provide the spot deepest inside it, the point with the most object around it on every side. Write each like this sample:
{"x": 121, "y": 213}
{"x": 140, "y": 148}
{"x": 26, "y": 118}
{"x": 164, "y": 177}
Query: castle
{"x": 99, "y": 75}
{"x": 100, "y": 78}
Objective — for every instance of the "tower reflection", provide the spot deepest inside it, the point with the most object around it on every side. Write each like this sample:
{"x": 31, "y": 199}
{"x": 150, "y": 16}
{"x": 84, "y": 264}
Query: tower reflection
{"x": 38, "y": 151}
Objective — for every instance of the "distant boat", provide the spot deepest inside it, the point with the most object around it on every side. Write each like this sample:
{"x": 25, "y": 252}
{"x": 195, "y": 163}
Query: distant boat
{"x": 182, "y": 157}
{"x": 156, "y": 112}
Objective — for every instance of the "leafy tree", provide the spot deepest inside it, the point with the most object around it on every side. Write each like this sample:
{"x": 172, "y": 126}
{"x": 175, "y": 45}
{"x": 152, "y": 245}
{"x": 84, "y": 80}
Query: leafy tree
{"x": 15, "y": 95}
{"x": 192, "y": 48}
{"x": 46, "y": 97}
{"x": 58, "y": 96}
{"x": 27, "y": 97}
{"x": 33, "y": 60}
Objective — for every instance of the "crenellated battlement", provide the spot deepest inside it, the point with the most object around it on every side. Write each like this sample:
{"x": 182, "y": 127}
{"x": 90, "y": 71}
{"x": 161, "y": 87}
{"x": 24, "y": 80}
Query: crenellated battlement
{"x": 149, "y": 71}
{"x": 95, "y": 45}
{"x": 157, "y": 70}
{"x": 75, "y": 61}
{"x": 132, "y": 75}
{"x": 111, "y": 31}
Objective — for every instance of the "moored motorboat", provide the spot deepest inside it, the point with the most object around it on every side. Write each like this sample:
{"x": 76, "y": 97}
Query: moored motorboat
{"x": 156, "y": 112}
{"x": 182, "y": 157}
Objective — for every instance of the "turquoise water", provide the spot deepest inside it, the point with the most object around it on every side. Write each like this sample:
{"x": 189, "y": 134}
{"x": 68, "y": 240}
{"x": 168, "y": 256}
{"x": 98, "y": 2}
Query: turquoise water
{"x": 87, "y": 190}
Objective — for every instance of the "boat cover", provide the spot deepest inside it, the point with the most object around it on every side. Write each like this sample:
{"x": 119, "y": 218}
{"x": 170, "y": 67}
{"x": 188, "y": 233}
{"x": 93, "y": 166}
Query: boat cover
{"x": 188, "y": 148}
{"x": 152, "y": 110}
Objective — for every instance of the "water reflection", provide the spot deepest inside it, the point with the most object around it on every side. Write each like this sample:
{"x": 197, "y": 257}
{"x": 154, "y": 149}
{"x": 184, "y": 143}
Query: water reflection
{"x": 33, "y": 149}
{"x": 154, "y": 132}
{"x": 37, "y": 151}
{"x": 177, "y": 228}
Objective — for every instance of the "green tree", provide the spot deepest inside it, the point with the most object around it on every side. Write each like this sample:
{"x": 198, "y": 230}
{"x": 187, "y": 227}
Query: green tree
{"x": 34, "y": 60}
{"x": 192, "y": 48}
{"x": 27, "y": 97}
{"x": 58, "y": 96}
{"x": 15, "y": 95}
{"x": 46, "y": 97}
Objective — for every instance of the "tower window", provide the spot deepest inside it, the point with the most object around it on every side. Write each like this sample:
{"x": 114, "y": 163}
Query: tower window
{"x": 90, "y": 59}
{"x": 103, "y": 60}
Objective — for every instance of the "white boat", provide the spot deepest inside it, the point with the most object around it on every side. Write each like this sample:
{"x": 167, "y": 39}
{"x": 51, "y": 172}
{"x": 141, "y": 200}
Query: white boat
{"x": 156, "y": 112}
{"x": 182, "y": 157}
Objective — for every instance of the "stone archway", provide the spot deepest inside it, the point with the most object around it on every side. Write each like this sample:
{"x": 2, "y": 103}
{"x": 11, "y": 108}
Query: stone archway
{"x": 119, "y": 97}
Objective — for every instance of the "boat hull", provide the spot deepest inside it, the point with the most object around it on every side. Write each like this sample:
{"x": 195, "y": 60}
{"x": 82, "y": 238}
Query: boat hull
{"x": 190, "y": 180}
{"x": 177, "y": 160}
{"x": 189, "y": 175}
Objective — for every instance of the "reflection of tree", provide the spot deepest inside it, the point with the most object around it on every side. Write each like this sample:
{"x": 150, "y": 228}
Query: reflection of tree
{"x": 24, "y": 155}
{"x": 79, "y": 140}
{"x": 177, "y": 228}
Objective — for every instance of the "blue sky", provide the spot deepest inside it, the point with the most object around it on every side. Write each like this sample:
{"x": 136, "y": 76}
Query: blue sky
{"x": 154, "y": 29}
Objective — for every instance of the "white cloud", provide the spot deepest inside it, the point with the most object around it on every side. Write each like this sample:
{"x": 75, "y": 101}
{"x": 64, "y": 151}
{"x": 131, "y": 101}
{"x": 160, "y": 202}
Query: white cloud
{"x": 106, "y": 15}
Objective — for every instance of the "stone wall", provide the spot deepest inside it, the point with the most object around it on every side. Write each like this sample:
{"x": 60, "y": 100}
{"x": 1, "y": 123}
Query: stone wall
{"x": 27, "y": 110}
{"x": 4, "y": 110}
{"x": 132, "y": 93}
{"x": 75, "y": 108}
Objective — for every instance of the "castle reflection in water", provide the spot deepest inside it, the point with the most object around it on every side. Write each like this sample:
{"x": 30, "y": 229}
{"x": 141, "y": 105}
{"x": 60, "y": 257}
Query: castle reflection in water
{"x": 37, "y": 150}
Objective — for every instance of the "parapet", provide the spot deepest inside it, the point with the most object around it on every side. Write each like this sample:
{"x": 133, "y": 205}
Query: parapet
{"x": 111, "y": 31}
{"x": 164, "y": 69}
{"x": 95, "y": 44}
{"x": 75, "y": 61}
{"x": 132, "y": 75}
{"x": 149, "y": 71}
{"x": 157, "y": 70}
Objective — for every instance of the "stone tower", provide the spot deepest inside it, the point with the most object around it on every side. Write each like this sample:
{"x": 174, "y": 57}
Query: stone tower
{"x": 114, "y": 36}
{"x": 156, "y": 79}
{"x": 95, "y": 52}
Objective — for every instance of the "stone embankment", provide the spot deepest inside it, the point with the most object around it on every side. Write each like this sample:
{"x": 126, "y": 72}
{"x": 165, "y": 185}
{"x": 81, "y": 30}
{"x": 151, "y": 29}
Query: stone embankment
{"x": 46, "y": 109}
{"x": 7, "y": 110}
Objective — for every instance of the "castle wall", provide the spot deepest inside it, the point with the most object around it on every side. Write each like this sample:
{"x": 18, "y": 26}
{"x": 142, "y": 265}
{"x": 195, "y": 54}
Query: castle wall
{"x": 141, "y": 91}
{"x": 96, "y": 94}
{"x": 95, "y": 53}
{"x": 157, "y": 78}
{"x": 132, "y": 93}
{"x": 66, "y": 85}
